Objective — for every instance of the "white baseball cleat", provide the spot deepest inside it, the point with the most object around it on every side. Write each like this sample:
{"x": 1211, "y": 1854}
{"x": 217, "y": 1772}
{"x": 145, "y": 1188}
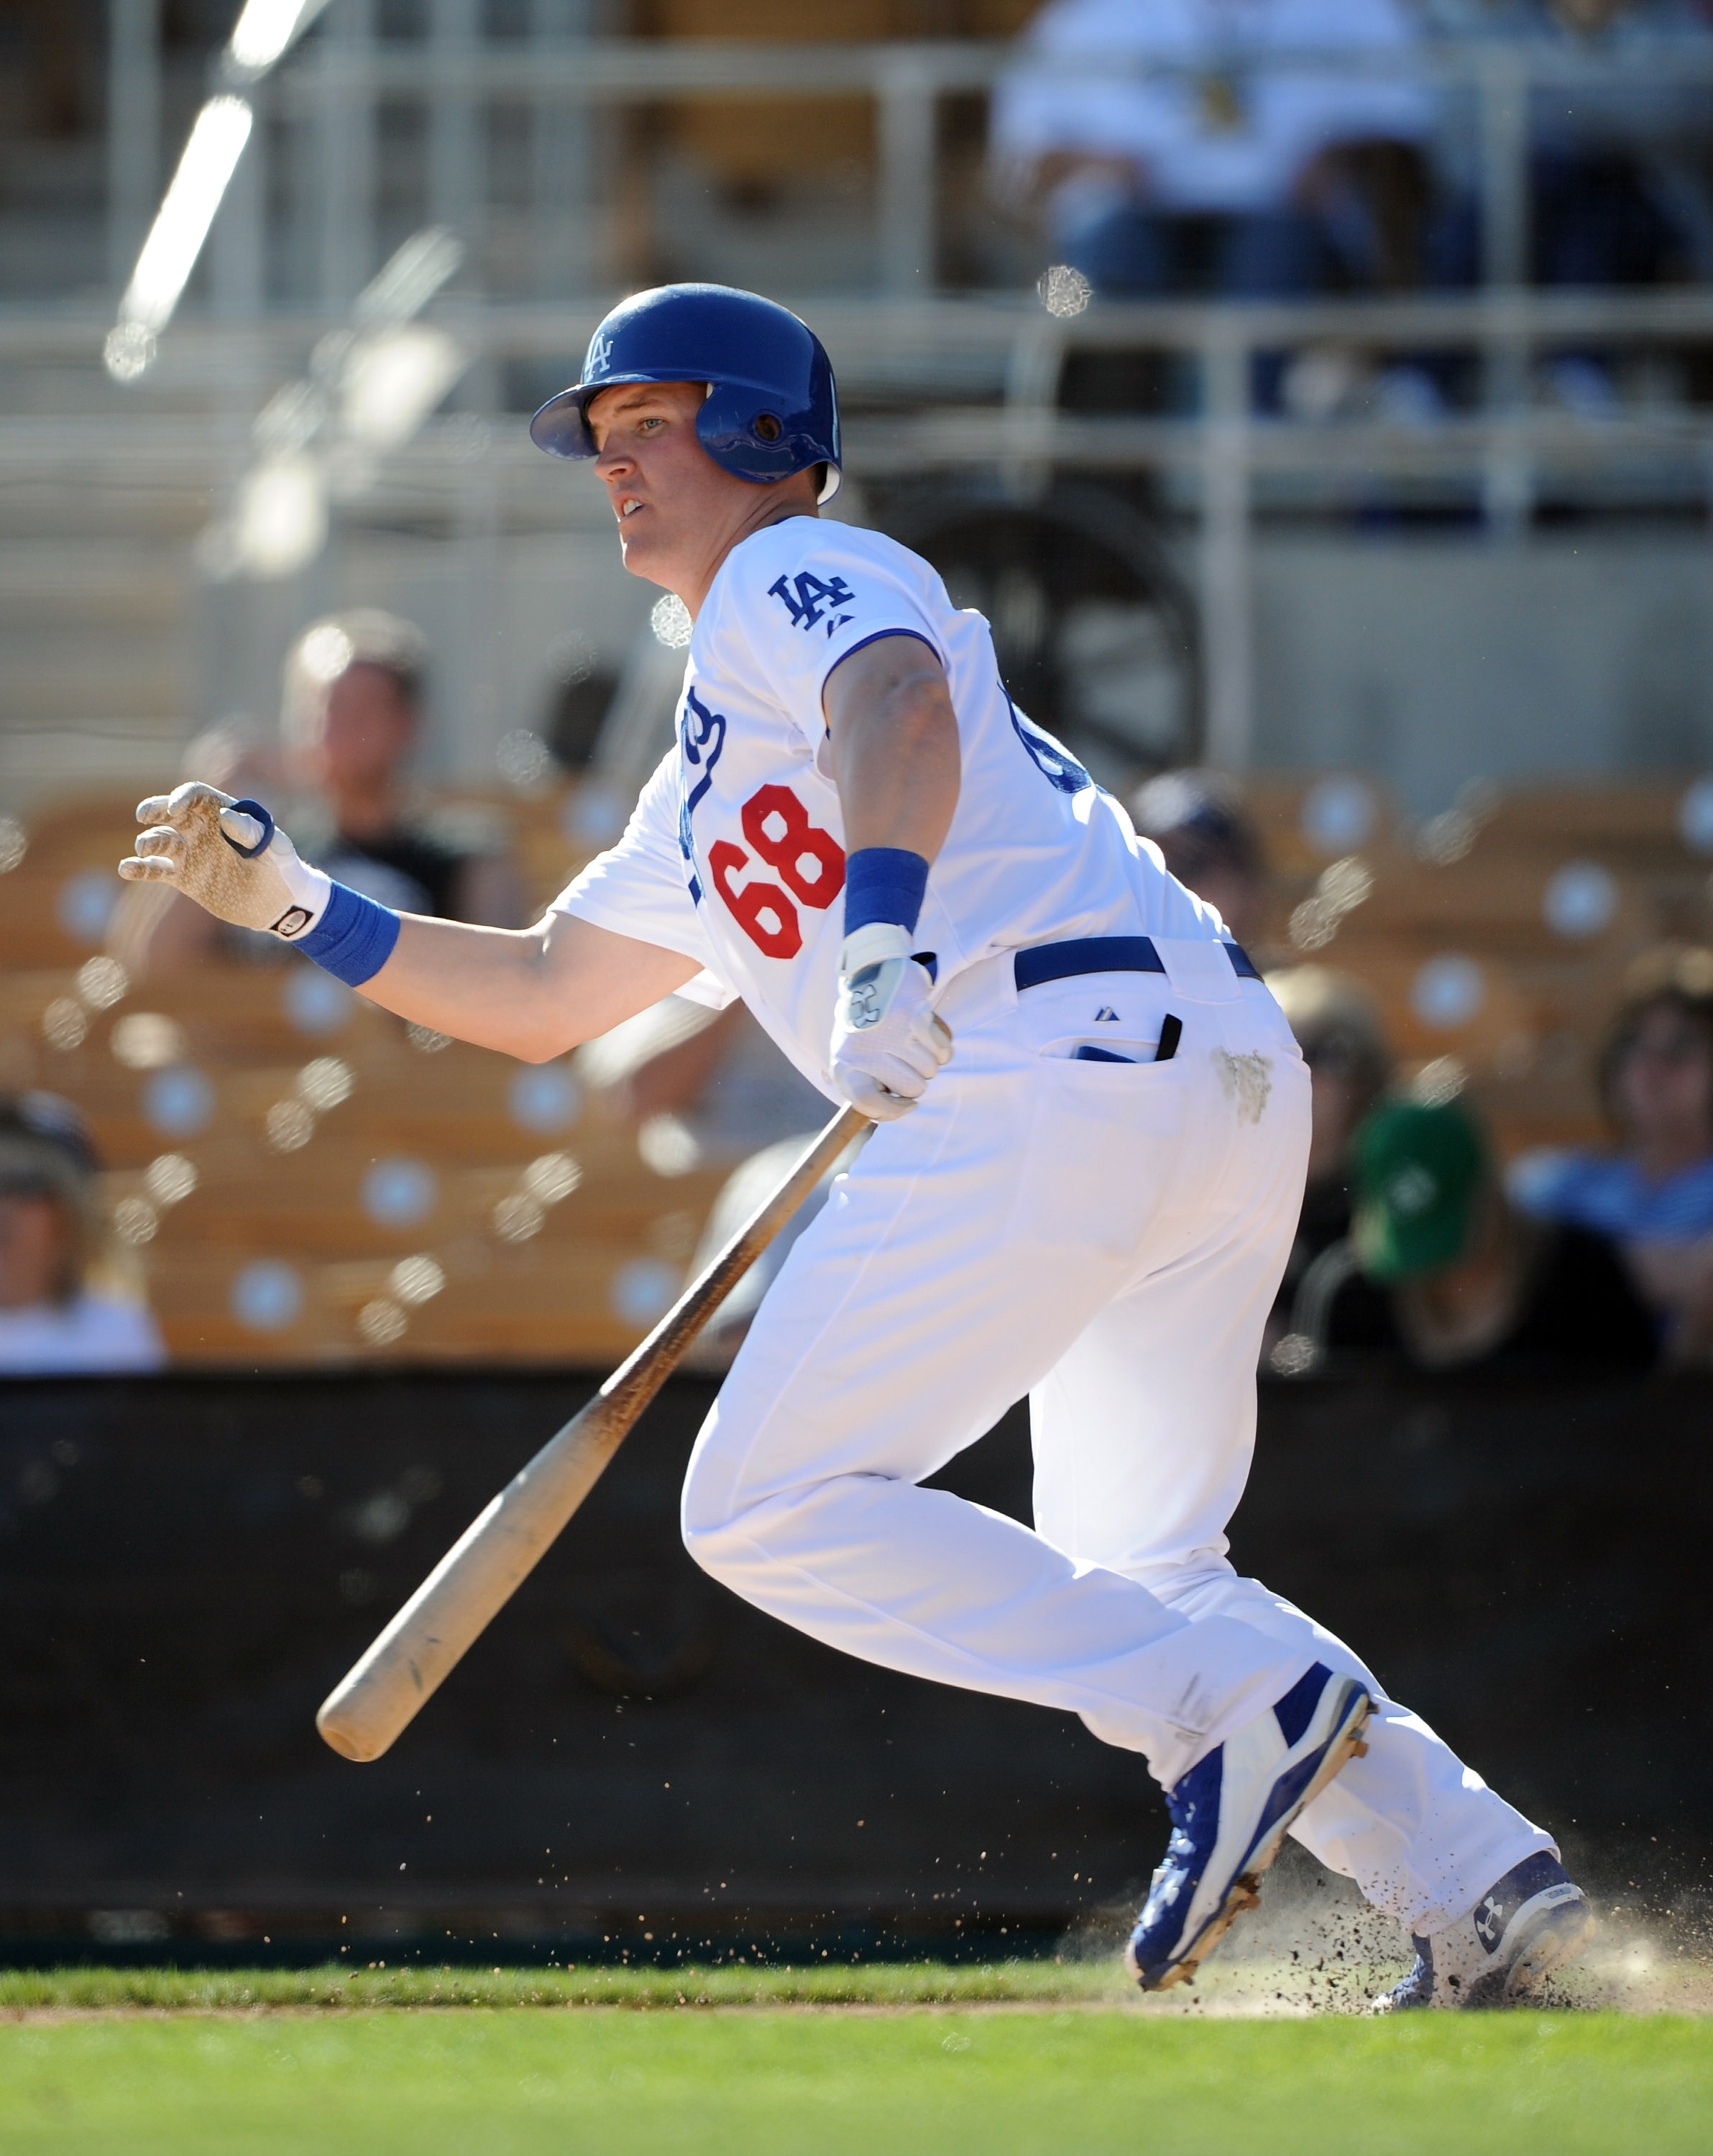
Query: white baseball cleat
{"x": 1532, "y": 1922}
{"x": 1230, "y": 1815}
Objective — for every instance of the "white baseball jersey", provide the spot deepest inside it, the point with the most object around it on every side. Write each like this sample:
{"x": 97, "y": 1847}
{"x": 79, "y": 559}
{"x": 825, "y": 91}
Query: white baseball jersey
{"x": 1105, "y": 1236}
{"x": 735, "y": 854}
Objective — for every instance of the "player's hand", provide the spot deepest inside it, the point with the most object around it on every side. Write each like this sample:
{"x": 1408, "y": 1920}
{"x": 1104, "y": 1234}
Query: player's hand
{"x": 886, "y": 1041}
{"x": 229, "y": 857}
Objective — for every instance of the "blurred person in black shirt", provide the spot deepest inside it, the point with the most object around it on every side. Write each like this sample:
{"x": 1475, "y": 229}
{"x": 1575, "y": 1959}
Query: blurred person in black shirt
{"x": 1440, "y": 1273}
{"x": 349, "y": 722}
{"x": 350, "y": 718}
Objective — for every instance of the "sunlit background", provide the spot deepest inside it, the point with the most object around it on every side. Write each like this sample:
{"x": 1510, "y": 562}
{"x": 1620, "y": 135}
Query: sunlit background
{"x": 1412, "y": 542}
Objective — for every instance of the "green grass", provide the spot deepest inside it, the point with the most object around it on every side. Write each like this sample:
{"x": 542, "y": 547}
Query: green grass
{"x": 779, "y": 2081}
{"x": 874, "y": 1983}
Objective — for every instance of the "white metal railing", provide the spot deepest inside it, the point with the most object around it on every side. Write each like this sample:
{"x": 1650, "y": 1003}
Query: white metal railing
{"x": 987, "y": 375}
{"x": 454, "y": 75}
{"x": 330, "y": 94}
{"x": 907, "y": 83}
{"x": 336, "y": 82}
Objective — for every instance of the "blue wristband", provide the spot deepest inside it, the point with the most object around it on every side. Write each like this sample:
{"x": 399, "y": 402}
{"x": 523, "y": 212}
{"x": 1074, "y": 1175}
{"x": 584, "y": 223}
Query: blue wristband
{"x": 884, "y": 883}
{"x": 354, "y": 938}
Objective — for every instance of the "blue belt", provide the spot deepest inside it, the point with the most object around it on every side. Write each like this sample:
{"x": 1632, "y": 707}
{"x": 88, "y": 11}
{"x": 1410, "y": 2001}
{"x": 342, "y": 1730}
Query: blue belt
{"x": 1108, "y": 954}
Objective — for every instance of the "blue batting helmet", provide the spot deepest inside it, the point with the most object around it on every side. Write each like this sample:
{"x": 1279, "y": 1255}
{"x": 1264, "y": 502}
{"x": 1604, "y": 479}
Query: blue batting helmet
{"x": 771, "y": 407}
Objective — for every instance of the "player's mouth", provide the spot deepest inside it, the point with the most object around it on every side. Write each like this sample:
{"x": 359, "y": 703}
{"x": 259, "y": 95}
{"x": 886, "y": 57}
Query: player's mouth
{"x": 628, "y": 507}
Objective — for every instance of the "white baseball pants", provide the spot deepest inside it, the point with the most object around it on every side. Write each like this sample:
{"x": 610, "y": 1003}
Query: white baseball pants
{"x": 1106, "y": 1237}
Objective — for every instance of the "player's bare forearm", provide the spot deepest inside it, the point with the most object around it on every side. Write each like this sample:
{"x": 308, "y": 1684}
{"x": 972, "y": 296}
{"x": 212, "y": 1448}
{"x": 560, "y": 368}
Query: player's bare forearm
{"x": 895, "y": 747}
{"x": 530, "y": 992}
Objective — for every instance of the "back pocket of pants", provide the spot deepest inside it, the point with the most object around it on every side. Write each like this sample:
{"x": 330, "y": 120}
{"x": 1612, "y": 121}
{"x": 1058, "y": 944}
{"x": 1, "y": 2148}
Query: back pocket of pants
{"x": 1102, "y": 1138}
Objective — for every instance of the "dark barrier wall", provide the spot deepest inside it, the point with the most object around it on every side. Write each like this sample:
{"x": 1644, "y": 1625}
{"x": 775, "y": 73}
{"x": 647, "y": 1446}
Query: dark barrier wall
{"x": 189, "y": 1564}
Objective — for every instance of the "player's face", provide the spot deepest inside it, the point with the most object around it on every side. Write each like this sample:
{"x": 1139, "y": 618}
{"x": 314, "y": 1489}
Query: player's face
{"x": 679, "y": 514}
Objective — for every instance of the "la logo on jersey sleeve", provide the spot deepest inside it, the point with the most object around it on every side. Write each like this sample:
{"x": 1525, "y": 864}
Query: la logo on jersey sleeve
{"x": 809, "y": 602}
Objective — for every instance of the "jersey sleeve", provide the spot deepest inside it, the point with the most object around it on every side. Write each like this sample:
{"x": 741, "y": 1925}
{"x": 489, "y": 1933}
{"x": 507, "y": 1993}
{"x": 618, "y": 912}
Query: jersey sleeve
{"x": 808, "y": 602}
{"x": 640, "y": 887}
{"x": 708, "y": 990}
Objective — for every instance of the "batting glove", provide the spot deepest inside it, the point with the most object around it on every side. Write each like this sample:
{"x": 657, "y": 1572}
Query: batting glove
{"x": 229, "y": 856}
{"x": 886, "y": 1041}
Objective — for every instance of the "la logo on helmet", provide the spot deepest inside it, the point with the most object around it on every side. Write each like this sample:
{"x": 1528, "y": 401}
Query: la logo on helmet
{"x": 600, "y": 356}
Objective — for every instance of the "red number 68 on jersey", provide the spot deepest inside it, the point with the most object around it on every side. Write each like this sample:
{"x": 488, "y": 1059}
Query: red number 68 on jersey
{"x": 809, "y": 862}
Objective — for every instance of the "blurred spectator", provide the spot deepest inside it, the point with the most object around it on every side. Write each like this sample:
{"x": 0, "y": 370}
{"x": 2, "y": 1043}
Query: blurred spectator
{"x": 742, "y": 1193}
{"x": 1618, "y": 164}
{"x": 580, "y": 696}
{"x": 350, "y": 719}
{"x": 1654, "y": 1195}
{"x": 1338, "y": 1029}
{"x": 1209, "y": 844}
{"x": 701, "y": 1087}
{"x": 1616, "y": 192}
{"x": 52, "y": 1322}
{"x": 1229, "y": 170}
{"x": 704, "y": 1088}
{"x": 1442, "y": 1273}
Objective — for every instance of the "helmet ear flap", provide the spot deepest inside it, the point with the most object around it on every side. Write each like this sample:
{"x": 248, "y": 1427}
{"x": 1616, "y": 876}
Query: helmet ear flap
{"x": 746, "y": 432}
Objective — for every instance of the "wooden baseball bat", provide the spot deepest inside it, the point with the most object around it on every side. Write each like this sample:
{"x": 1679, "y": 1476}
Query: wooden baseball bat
{"x": 502, "y": 1546}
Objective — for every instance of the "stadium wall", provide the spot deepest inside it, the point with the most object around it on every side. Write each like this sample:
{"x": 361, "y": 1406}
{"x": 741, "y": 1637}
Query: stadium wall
{"x": 631, "y": 1756}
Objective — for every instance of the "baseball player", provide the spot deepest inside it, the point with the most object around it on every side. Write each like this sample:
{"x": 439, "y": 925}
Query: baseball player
{"x": 1092, "y": 1126}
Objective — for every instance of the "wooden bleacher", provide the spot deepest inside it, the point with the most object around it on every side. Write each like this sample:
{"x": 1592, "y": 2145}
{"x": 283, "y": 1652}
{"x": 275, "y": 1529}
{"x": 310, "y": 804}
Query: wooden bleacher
{"x": 1531, "y": 1050}
{"x": 549, "y": 1296}
{"x": 559, "y": 1293}
{"x": 754, "y": 142}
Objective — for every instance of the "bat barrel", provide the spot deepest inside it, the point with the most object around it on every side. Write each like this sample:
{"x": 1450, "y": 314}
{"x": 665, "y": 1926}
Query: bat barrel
{"x": 497, "y": 1553}
{"x": 468, "y": 1587}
